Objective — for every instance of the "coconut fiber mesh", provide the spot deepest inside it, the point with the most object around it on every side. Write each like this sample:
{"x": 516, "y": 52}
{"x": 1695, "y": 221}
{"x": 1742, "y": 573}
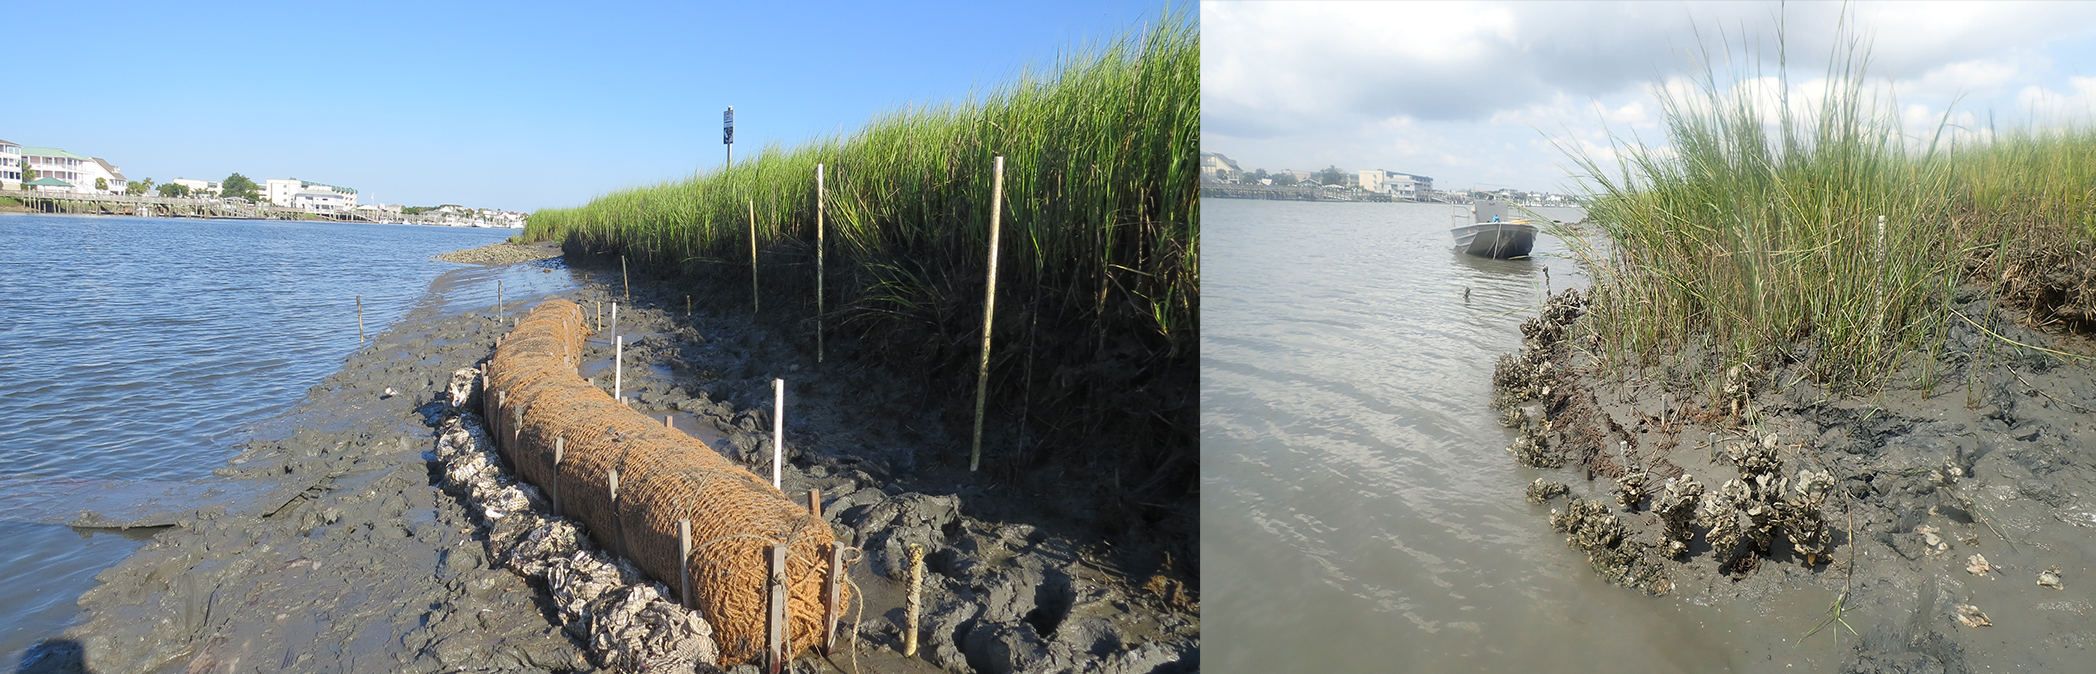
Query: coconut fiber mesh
{"x": 664, "y": 476}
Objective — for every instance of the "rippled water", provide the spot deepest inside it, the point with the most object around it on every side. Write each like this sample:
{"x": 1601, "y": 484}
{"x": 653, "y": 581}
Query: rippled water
{"x": 135, "y": 353}
{"x": 1358, "y": 510}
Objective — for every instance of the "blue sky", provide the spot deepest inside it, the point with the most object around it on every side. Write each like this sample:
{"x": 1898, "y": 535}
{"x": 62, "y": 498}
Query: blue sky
{"x": 502, "y": 105}
{"x": 1476, "y": 94}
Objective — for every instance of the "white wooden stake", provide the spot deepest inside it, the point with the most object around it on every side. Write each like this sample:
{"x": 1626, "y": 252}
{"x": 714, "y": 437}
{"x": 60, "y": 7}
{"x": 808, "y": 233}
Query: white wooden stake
{"x": 818, "y": 263}
{"x": 618, "y": 369}
{"x": 753, "y": 256}
{"x": 778, "y": 428}
{"x": 684, "y": 560}
{"x": 982, "y": 377}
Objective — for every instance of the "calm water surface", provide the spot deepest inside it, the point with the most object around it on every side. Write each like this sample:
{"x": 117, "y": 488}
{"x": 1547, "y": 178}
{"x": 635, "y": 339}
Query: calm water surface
{"x": 136, "y": 353}
{"x": 1359, "y": 512}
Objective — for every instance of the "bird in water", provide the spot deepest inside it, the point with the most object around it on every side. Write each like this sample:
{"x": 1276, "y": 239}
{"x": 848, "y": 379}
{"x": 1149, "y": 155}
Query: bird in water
{"x": 1466, "y": 294}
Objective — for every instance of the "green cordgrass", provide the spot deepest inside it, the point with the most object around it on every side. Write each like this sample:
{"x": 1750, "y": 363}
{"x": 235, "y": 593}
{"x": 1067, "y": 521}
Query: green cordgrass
{"x": 1101, "y": 188}
{"x": 1752, "y": 236}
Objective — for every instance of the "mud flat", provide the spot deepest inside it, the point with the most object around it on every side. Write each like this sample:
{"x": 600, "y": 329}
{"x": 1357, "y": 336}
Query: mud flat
{"x": 355, "y": 559}
{"x": 1950, "y": 521}
{"x": 504, "y": 253}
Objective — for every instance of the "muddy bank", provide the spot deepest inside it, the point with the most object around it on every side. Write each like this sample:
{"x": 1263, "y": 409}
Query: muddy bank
{"x": 1949, "y": 518}
{"x": 504, "y": 253}
{"x": 354, "y": 558}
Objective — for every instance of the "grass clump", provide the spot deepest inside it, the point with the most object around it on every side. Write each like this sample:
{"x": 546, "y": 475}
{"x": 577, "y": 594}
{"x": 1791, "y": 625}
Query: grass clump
{"x": 1099, "y": 262}
{"x": 1826, "y": 235}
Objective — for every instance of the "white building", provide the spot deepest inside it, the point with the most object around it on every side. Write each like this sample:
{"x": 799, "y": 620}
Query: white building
{"x": 98, "y": 176}
{"x": 1396, "y": 184}
{"x": 10, "y": 165}
{"x": 1218, "y": 168}
{"x": 197, "y": 187}
{"x": 286, "y": 192}
{"x": 51, "y": 162}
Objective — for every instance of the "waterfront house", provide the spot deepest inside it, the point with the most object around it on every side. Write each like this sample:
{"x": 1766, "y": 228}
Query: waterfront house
{"x": 198, "y": 187}
{"x": 10, "y": 165}
{"x": 98, "y": 168}
{"x": 51, "y": 162}
{"x": 286, "y": 192}
{"x": 1219, "y": 169}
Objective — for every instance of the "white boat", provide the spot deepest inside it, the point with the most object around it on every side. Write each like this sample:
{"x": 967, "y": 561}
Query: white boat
{"x": 1492, "y": 234}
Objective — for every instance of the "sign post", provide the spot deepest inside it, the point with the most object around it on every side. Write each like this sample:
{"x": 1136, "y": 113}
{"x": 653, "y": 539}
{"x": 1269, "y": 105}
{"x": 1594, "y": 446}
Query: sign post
{"x": 728, "y": 133}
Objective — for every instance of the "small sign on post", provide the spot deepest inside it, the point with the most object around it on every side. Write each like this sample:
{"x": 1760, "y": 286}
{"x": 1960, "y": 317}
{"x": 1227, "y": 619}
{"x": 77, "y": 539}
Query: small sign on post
{"x": 728, "y": 132}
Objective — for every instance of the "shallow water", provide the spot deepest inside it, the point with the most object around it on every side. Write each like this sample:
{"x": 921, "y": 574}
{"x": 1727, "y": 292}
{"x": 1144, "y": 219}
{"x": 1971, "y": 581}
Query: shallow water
{"x": 1359, "y": 512}
{"x": 137, "y": 353}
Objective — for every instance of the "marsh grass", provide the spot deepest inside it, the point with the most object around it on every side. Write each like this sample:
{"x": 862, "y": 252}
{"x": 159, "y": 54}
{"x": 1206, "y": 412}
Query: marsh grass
{"x": 1100, "y": 255}
{"x": 1828, "y": 236}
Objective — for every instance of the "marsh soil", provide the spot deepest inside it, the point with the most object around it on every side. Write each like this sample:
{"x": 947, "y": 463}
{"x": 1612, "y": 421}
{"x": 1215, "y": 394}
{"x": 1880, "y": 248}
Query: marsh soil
{"x": 351, "y": 559}
{"x": 1958, "y": 521}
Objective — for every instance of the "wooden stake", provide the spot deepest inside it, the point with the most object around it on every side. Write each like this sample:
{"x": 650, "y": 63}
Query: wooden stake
{"x": 815, "y": 503}
{"x": 560, "y": 452}
{"x": 753, "y": 256}
{"x": 667, "y": 423}
{"x": 360, "y": 320}
{"x": 777, "y": 625}
{"x": 913, "y": 608}
{"x": 618, "y": 369}
{"x": 684, "y": 560}
{"x": 818, "y": 263}
{"x": 982, "y": 376}
{"x": 833, "y": 606}
{"x": 498, "y": 297}
{"x": 618, "y": 525}
{"x": 626, "y": 278}
{"x": 778, "y": 428}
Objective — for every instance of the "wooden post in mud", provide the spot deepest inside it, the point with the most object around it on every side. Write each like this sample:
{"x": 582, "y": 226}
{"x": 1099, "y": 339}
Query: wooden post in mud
{"x": 833, "y": 604}
{"x": 684, "y": 561}
{"x": 753, "y": 256}
{"x": 982, "y": 375}
{"x": 687, "y": 306}
{"x": 560, "y": 451}
{"x": 778, "y": 428}
{"x": 498, "y": 297}
{"x": 815, "y": 503}
{"x": 618, "y": 527}
{"x": 818, "y": 263}
{"x": 618, "y": 369}
{"x": 625, "y": 278}
{"x": 913, "y": 606}
{"x": 360, "y": 320}
{"x": 667, "y": 422}
{"x": 776, "y": 626}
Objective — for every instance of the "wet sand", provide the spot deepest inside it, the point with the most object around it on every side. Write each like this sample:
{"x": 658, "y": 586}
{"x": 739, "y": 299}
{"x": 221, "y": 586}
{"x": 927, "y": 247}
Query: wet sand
{"x": 351, "y": 558}
{"x": 1950, "y": 517}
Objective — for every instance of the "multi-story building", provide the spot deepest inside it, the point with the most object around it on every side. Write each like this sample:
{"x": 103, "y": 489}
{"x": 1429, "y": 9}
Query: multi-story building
{"x": 57, "y": 164}
{"x": 1218, "y": 168}
{"x": 308, "y": 195}
{"x": 1396, "y": 184}
{"x": 98, "y": 175}
{"x": 10, "y": 165}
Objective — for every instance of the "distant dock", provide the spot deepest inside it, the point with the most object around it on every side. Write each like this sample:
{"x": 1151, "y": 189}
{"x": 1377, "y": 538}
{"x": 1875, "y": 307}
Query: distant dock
{"x": 192, "y": 207}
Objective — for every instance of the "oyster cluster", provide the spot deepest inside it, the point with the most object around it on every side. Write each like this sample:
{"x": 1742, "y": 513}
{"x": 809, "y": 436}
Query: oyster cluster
{"x": 1676, "y": 507}
{"x": 1744, "y": 515}
{"x": 1623, "y": 560}
{"x": 1543, "y": 490}
{"x": 1531, "y": 447}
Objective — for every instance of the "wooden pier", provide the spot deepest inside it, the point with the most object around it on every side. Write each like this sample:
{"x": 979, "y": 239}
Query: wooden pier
{"x": 191, "y": 207}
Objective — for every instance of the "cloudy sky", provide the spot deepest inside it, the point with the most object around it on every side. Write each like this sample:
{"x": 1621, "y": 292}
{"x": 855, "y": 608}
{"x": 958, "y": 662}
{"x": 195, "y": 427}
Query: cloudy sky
{"x": 1475, "y": 94}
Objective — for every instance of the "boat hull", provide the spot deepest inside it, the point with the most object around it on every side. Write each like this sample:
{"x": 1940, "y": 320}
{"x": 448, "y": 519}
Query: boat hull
{"x": 1499, "y": 240}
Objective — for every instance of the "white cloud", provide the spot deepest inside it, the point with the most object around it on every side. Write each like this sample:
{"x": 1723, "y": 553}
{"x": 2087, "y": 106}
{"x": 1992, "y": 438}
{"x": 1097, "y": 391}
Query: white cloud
{"x": 1468, "y": 91}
